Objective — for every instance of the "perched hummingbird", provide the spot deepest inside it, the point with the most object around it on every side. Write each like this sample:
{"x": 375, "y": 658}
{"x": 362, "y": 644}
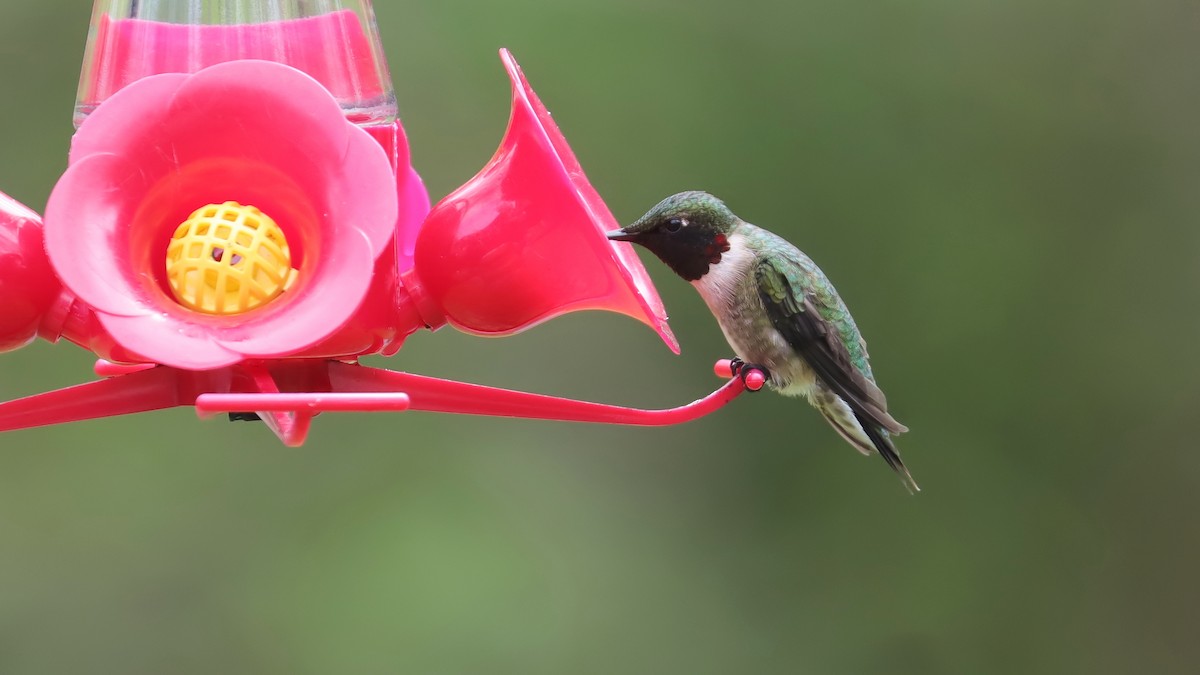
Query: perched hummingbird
{"x": 778, "y": 311}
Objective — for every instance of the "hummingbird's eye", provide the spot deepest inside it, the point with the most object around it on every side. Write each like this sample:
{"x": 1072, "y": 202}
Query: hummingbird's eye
{"x": 674, "y": 224}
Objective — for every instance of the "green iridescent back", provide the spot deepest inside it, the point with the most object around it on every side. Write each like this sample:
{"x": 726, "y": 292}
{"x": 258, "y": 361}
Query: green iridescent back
{"x": 804, "y": 276}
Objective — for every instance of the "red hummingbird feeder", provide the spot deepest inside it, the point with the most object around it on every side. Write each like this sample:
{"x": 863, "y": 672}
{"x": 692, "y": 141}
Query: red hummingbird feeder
{"x": 239, "y": 222}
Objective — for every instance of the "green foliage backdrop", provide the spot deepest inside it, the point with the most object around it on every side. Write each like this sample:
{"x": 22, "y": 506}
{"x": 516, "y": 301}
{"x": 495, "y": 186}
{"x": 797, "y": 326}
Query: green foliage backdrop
{"x": 1006, "y": 194}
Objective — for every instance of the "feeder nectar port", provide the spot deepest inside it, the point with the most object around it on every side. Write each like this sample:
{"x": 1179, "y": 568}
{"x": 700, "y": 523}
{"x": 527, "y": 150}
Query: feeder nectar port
{"x": 228, "y": 259}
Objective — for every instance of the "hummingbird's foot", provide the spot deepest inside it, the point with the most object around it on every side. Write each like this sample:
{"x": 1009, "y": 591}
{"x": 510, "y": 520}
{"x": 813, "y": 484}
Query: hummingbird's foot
{"x": 754, "y": 376}
{"x": 244, "y": 417}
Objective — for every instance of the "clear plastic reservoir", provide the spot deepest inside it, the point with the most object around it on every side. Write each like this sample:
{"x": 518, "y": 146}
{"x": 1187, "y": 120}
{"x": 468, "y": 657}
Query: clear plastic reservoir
{"x": 335, "y": 41}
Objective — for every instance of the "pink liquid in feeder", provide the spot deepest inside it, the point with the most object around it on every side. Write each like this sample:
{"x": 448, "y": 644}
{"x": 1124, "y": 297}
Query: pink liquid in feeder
{"x": 333, "y": 48}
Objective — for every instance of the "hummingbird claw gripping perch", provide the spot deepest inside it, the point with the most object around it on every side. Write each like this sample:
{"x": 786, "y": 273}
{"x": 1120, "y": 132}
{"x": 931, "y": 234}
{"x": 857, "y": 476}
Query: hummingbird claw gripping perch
{"x": 752, "y": 377}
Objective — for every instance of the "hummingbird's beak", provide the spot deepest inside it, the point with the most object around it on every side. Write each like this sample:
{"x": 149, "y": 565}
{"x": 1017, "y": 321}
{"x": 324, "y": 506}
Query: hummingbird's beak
{"x": 620, "y": 235}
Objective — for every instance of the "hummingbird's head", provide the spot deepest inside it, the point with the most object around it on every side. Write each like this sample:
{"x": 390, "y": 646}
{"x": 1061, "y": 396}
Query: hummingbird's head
{"x": 688, "y": 231}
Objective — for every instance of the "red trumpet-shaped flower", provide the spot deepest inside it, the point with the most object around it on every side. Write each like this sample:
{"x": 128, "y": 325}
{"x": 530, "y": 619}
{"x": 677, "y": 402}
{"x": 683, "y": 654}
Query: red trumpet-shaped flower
{"x": 226, "y": 215}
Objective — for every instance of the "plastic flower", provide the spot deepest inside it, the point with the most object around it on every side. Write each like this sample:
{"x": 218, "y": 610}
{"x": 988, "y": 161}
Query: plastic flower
{"x": 167, "y": 150}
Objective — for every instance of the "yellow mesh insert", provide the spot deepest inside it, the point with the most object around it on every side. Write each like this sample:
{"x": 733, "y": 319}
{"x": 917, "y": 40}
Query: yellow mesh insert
{"x": 228, "y": 259}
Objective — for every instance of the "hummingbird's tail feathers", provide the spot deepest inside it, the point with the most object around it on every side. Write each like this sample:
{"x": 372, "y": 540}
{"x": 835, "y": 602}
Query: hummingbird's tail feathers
{"x": 887, "y": 450}
{"x": 842, "y": 419}
{"x": 861, "y": 432}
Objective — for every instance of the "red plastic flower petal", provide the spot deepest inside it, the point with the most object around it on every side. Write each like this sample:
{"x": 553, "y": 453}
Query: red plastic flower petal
{"x": 255, "y": 132}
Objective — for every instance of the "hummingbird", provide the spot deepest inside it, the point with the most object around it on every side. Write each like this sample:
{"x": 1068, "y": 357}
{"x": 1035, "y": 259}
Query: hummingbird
{"x": 778, "y": 311}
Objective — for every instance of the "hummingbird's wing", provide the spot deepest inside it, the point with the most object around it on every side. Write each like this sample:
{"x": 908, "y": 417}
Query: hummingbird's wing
{"x": 795, "y": 314}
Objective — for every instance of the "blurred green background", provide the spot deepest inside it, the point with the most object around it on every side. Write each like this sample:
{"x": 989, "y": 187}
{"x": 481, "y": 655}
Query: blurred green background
{"x": 1004, "y": 192}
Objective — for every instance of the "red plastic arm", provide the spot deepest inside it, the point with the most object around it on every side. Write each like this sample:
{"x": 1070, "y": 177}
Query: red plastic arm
{"x": 312, "y": 387}
{"x": 143, "y": 391}
{"x": 435, "y": 395}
